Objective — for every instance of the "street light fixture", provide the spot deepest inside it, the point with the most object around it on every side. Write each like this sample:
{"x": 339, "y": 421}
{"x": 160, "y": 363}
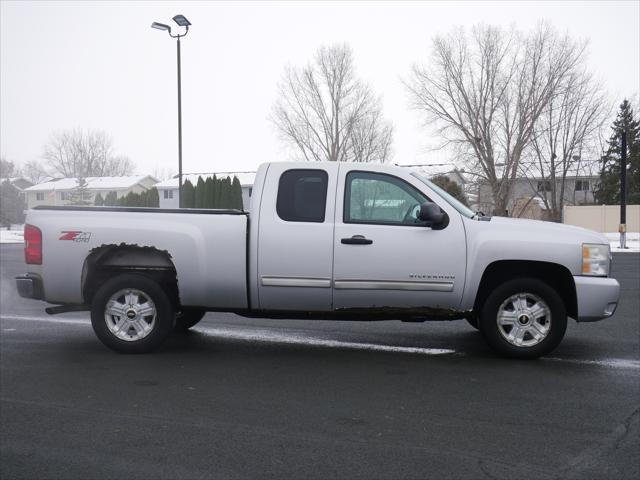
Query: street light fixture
{"x": 181, "y": 21}
{"x": 160, "y": 26}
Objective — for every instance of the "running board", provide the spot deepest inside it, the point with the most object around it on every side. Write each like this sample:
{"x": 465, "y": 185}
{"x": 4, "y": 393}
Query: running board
{"x": 66, "y": 308}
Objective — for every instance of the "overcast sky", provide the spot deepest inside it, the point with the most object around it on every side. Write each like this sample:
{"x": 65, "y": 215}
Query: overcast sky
{"x": 100, "y": 66}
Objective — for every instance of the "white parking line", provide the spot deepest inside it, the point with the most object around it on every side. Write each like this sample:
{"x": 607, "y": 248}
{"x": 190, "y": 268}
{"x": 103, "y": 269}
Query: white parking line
{"x": 291, "y": 338}
{"x": 259, "y": 335}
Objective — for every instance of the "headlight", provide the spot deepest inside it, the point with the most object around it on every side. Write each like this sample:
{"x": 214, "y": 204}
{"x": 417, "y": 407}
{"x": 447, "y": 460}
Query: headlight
{"x": 595, "y": 259}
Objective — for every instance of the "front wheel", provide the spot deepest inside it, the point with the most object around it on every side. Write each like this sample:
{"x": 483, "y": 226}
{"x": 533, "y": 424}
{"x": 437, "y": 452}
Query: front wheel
{"x": 131, "y": 313}
{"x": 523, "y": 318}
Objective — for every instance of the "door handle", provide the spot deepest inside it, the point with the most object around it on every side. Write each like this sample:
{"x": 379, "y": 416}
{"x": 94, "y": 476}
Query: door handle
{"x": 356, "y": 240}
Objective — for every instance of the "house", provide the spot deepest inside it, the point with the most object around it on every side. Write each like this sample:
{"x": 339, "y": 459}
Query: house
{"x": 528, "y": 195}
{"x": 168, "y": 189}
{"x": 59, "y": 191}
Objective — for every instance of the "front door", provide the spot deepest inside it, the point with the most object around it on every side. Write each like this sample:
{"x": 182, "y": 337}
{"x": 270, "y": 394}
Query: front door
{"x": 383, "y": 255}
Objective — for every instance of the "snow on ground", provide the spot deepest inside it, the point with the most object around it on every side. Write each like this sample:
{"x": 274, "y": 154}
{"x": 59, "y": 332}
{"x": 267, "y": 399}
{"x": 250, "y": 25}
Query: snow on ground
{"x": 633, "y": 242}
{"x": 14, "y": 235}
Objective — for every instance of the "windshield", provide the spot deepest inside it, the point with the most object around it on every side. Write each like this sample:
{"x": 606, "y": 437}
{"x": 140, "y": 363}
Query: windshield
{"x": 455, "y": 203}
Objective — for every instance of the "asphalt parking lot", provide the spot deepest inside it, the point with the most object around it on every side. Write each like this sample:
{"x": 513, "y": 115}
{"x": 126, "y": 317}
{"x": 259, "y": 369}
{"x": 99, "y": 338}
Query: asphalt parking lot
{"x": 254, "y": 398}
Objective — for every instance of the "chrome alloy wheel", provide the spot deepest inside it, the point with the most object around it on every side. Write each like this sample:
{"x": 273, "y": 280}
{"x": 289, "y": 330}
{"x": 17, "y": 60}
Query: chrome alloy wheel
{"x": 524, "y": 320}
{"x": 130, "y": 314}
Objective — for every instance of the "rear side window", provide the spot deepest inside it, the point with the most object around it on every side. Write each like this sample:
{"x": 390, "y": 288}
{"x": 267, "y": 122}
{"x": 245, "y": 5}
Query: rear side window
{"x": 302, "y": 195}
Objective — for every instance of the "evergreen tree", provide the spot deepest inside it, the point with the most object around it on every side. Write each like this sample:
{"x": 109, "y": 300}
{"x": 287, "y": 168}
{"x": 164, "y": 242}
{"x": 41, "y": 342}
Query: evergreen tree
{"x": 236, "y": 194}
{"x": 11, "y": 204}
{"x": 111, "y": 200}
{"x": 208, "y": 184}
{"x": 98, "y": 201}
{"x": 188, "y": 195}
{"x": 608, "y": 190}
{"x": 219, "y": 192}
{"x": 215, "y": 186}
{"x": 200, "y": 193}
{"x": 153, "y": 198}
{"x": 452, "y": 188}
{"x": 80, "y": 194}
{"x": 225, "y": 197}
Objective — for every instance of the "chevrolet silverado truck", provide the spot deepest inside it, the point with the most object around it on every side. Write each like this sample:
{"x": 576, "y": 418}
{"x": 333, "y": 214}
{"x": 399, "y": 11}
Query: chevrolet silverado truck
{"x": 320, "y": 241}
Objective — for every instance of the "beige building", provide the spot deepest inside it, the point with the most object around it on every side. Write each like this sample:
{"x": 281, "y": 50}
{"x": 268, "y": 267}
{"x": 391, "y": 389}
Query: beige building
{"x": 59, "y": 191}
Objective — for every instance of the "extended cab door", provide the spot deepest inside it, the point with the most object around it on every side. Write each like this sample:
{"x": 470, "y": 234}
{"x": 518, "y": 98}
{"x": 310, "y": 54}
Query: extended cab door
{"x": 383, "y": 255}
{"x": 295, "y": 249}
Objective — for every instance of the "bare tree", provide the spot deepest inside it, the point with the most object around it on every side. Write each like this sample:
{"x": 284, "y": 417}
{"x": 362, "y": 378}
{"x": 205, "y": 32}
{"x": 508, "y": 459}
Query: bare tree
{"x": 326, "y": 113}
{"x": 8, "y": 169}
{"x": 565, "y": 144}
{"x": 78, "y": 153}
{"x": 34, "y": 171}
{"x": 485, "y": 92}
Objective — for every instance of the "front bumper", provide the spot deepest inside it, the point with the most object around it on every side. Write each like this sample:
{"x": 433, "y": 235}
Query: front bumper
{"x": 30, "y": 286}
{"x": 597, "y": 297}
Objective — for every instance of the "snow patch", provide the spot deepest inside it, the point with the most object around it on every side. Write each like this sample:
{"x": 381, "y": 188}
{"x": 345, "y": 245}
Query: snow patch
{"x": 633, "y": 242}
{"x": 12, "y": 236}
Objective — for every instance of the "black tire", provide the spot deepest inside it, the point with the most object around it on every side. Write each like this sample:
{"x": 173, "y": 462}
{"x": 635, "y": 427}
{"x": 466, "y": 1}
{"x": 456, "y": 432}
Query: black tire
{"x": 187, "y": 318}
{"x": 530, "y": 290}
{"x": 473, "y": 321}
{"x": 143, "y": 289}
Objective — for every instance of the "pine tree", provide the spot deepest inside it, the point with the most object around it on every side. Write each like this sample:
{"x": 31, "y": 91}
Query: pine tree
{"x": 215, "y": 187}
{"x": 11, "y": 205}
{"x": 608, "y": 190}
{"x": 98, "y": 201}
{"x": 200, "y": 193}
{"x": 111, "y": 200}
{"x": 236, "y": 194}
{"x": 80, "y": 194}
{"x": 188, "y": 195}
{"x": 153, "y": 198}
{"x": 225, "y": 197}
{"x": 208, "y": 190}
{"x": 219, "y": 192}
{"x": 452, "y": 188}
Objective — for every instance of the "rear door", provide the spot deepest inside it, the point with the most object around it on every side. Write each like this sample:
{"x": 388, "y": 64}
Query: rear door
{"x": 295, "y": 252}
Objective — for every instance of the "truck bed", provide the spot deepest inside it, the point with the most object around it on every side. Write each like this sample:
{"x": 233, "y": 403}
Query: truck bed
{"x": 207, "y": 248}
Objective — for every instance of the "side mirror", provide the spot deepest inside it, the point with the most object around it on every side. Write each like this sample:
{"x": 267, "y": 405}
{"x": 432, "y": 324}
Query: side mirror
{"x": 431, "y": 213}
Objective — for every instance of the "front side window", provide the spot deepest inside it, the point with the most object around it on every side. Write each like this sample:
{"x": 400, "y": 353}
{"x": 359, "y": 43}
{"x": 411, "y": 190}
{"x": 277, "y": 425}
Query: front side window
{"x": 381, "y": 199}
{"x": 40, "y": 196}
{"x": 302, "y": 195}
{"x": 65, "y": 195}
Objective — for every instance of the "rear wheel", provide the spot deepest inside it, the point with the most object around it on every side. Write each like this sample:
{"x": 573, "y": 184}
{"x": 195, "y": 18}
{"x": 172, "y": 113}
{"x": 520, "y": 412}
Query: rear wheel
{"x": 187, "y": 318}
{"x": 523, "y": 318}
{"x": 131, "y": 313}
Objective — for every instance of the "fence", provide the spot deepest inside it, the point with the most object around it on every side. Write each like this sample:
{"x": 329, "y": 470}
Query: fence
{"x": 602, "y": 218}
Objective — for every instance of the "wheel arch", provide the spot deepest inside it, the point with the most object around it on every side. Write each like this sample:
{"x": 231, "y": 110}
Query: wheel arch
{"x": 106, "y": 261}
{"x": 555, "y": 275}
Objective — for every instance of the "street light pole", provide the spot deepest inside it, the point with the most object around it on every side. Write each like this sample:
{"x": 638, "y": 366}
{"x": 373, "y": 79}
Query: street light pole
{"x": 179, "y": 130}
{"x": 182, "y": 21}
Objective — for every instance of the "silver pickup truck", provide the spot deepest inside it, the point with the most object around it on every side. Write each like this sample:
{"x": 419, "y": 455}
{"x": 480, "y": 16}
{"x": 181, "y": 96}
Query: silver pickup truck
{"x": 325, "y": 241}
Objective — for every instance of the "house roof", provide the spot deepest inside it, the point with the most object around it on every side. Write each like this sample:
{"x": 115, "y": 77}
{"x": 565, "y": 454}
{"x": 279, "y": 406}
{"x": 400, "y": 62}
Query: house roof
{"x": 245, "y": 178}
{"x": 94, "y": 183}
{"x": 19, "y": 182}
{"x": 448, "y": 169}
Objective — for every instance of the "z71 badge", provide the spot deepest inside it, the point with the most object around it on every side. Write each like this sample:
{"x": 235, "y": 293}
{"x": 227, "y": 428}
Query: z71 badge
{"x": 75, "y": 236}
